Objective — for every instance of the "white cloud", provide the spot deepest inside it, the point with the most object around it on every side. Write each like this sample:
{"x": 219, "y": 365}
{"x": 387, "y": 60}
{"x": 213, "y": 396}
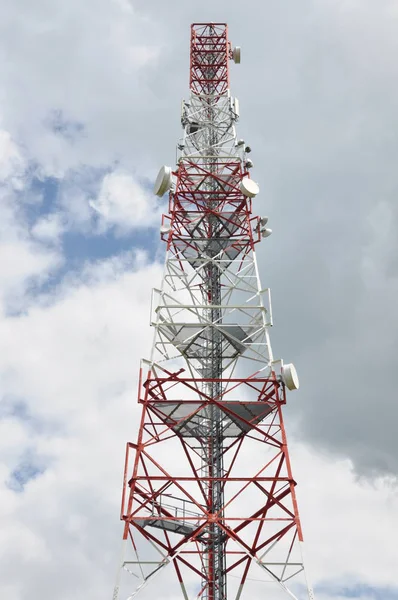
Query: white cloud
{"x": 347, "y": 521}
{"x": 24, "y": 261}
{"x": 75, "y": 364}
{"x": 12, "y": 163}
{"x": 87, "y": 85}
{"x": 73, "y": 359}
{"x": 124, "y": 203}
{"x": 90, "y": 74}
{"x": 48, "y": 228}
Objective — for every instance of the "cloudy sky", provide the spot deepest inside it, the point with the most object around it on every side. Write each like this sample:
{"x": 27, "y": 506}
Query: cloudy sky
{"x": 89, "y": 109}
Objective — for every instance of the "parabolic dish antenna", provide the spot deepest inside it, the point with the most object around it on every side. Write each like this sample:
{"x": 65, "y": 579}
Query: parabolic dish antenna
{"x": 248, "y": 187}
{"x": 163, "y": 182}
{"x": 236, "y": 55}
{"x": 290, "y": 377}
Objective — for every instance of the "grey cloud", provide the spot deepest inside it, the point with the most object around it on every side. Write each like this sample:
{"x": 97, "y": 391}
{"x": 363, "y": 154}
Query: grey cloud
{"x": 318, "y": 93}
{"x": 318, "y": 96}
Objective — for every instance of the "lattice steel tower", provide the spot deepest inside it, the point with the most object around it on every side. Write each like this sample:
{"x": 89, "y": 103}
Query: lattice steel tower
{"x": 208, "y": 486}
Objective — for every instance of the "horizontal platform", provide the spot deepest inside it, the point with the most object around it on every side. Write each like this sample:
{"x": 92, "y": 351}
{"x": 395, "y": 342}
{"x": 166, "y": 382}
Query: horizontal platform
{"x": 196, "y": 250}
{"x": 191, "y": 419}
{"x": 192, "y": 339}
{"x": 171, "y": 526}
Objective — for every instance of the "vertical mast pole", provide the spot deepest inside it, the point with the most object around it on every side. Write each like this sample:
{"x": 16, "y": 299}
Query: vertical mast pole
{"x": 212, "y": 451}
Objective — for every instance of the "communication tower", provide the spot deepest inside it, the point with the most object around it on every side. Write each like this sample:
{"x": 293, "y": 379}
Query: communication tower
{"x": 208, "y": 489}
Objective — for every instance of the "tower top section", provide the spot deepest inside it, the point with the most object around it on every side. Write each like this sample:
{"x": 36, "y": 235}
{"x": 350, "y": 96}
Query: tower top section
{"x": 210, "y": 53}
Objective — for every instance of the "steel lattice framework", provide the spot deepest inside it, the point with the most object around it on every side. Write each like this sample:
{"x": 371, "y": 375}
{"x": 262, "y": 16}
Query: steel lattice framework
{"x": 208, "y": 486}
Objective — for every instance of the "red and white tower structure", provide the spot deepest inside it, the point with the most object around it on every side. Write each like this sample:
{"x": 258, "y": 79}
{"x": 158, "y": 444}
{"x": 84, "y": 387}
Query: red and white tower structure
{"x": 209, "y": 504}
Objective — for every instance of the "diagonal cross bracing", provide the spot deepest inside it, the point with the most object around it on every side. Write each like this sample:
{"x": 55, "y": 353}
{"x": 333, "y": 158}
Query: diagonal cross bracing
{"x": 208, "y": 487}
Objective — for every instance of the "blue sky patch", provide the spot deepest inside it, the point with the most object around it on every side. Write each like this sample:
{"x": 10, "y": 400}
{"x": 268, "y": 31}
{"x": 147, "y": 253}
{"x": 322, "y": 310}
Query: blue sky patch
{"x": 359, "y": 591}
{"x": 22, "y": 474}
